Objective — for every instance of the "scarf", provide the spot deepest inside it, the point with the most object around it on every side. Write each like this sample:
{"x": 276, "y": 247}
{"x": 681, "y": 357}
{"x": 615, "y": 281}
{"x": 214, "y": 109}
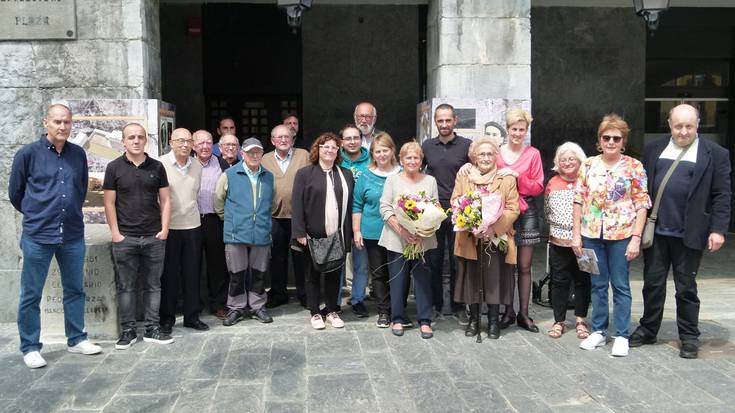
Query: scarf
{"x": 479, "y": 179}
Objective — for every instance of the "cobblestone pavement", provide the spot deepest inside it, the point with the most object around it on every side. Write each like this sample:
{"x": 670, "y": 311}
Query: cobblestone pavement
{"x": 288, "y": 367}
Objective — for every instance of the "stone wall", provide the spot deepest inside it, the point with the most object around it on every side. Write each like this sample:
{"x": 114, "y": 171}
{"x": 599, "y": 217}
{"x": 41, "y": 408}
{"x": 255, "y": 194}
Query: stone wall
{"x": 116, "y": 55}
{"x": 587, "y": 62}
{"x": 356, "y": 53}
{"x": 479, "y": 49}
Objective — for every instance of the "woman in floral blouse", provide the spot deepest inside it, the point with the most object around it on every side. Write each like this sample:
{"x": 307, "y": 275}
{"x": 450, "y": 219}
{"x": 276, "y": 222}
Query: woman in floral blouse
{"x": 609, "y": 214}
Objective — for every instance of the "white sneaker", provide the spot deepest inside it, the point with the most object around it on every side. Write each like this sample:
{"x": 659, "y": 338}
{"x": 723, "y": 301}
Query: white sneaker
{"x": 34, "y": 360}
{"x": 317, "y": 322}
{"x": 85, "y": 347}
{"x": 594, "y": 340}
{"x": 620, "y": 347}
{"x": 335, "y": 321}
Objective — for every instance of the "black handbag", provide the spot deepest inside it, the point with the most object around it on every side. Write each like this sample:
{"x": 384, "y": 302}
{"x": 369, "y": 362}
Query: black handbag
{"x": 328, "y": 254}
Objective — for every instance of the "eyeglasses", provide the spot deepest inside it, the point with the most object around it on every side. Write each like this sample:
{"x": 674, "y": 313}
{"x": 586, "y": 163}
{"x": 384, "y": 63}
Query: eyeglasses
{"x": 352, "y": 138}
{"x": 254, "y": 154}
{"x": 229, "y": 145}
{"x": 368, "y": 117}
{"x": 568, "y": 160}
{"x": 607, "y": 138}
{"x": 283, "y": 137}
{"x": 183, "y": 141}
{"x": 486, "y": 155}
{"x": 329, "y": 148}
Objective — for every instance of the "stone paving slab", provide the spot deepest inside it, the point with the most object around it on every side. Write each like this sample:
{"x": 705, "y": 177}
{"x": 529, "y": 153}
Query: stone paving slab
{"x": 288, "y": 367}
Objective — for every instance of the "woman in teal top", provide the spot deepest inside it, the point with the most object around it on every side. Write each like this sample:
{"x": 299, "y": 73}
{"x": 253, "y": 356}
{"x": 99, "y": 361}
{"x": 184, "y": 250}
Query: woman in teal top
{"x": 367, "y": 223}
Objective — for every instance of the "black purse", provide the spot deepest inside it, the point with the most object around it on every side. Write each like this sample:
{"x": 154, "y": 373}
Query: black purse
{"x": 328, "y": 254}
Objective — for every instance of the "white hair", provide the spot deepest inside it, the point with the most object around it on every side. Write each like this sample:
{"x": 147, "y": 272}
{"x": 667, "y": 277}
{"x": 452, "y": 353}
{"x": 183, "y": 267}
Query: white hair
{"x": 568, "y": 147}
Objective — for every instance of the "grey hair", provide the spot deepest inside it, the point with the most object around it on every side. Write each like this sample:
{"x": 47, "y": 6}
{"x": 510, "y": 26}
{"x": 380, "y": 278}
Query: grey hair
{"x": 568, "y": 147}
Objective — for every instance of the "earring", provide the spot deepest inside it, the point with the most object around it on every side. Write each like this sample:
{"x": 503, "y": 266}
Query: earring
{"x": 598, "y": 147}
{"x": 622, "y": 150}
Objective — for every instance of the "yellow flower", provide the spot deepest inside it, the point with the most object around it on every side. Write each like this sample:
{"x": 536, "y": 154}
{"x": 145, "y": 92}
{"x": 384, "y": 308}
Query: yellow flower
{"x": 460, "y": 221}
{"x": 409, "y": 204}
{"x": 467, "y": 210}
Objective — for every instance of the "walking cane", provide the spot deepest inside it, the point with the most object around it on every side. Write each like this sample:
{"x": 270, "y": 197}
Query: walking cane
{"x": 481, "y": 293}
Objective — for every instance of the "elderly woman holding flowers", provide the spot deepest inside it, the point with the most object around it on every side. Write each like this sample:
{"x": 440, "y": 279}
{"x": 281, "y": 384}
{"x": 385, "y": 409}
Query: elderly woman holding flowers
{"x": 486, "y": 206}
{"x": 402, "y": 194}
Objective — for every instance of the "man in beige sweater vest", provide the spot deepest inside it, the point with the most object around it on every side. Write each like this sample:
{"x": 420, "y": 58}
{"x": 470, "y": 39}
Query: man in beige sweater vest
{"x": 283, "y": 163}
{"x": 184, "y": 244}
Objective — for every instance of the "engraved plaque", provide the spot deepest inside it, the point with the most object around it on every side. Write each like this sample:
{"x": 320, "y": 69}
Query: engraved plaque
{"x": 37, "y": 19}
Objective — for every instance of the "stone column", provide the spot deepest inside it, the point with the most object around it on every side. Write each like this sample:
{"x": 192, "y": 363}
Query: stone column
{"x": 116, "y": 55}
{"x": 479, "y": 49}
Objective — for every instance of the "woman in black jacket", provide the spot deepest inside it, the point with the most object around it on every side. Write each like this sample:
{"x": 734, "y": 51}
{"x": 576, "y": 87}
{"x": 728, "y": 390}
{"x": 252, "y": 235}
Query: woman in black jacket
{"x": 321, "y": 204}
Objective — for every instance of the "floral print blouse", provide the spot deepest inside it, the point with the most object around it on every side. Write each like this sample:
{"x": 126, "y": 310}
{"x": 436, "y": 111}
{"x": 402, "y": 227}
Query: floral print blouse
{"x": 611, "y": 198}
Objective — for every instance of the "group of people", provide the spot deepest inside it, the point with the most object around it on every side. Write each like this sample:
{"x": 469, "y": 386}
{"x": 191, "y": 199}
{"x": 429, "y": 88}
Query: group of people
{"x": 245, "y": 211}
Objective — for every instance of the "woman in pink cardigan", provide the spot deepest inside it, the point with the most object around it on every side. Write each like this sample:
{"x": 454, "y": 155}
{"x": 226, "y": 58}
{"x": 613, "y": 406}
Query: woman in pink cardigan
{"x": 522, "y": 161}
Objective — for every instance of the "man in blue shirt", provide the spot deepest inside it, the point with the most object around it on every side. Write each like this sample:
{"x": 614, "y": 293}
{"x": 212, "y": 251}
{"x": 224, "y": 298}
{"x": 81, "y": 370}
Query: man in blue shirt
{"x": 48, "y": 184}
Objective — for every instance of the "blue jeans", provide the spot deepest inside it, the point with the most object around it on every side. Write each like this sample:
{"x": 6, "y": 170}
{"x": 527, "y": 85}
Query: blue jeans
{"x": 134, "y": 257}
{"x": 399, "y": 268}
{"x": 359, "y": 274}
{"x": 36, "y": 262}
{"x": 614, "y": 271}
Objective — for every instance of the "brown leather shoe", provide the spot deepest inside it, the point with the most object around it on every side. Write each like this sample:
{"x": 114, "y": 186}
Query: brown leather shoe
{"x": 221, "y": 314}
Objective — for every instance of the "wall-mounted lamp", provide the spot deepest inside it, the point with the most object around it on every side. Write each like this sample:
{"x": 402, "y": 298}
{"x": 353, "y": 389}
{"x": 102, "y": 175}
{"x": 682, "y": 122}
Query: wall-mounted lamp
{"x": 649, "y": 10}
{"x": 294, "y": 8}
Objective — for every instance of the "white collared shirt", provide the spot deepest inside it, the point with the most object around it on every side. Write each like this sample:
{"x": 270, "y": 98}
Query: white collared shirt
{"x": 284, "y": 162}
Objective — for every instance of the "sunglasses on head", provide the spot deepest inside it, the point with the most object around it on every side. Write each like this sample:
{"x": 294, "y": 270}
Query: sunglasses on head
{"x": 616, "y": 139}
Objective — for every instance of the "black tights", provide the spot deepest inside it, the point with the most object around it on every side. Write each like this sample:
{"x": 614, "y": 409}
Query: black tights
{"x": 525, "y": 256}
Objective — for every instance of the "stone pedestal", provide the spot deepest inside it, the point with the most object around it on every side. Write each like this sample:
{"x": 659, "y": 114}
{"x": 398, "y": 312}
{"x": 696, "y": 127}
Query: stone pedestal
{"x": 100, "y": 312}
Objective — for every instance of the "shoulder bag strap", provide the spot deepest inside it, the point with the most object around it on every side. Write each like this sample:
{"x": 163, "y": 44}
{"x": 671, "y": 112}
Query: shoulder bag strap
{"x": 345, "y": 196}
{"x": 660, "y": 191}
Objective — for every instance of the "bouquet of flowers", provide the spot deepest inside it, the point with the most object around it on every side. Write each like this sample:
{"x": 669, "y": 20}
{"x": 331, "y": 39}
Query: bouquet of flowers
{"x": 476, "y": 211}
{"x": 420, "y": 215}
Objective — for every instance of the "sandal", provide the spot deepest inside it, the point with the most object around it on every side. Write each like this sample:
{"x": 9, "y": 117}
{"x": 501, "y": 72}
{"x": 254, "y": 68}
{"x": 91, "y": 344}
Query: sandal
{"x": 557, "y": 329}
{"x": 582, "y": 330}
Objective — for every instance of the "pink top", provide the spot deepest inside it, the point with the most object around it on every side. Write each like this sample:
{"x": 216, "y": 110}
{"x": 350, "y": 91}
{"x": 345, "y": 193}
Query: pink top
{"x": 530, "y": 173}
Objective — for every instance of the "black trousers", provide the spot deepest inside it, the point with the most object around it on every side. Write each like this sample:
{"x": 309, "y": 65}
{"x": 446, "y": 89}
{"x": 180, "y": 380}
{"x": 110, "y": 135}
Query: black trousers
{"x": 564, "y": 271}
{"x": 313, "y": 285}
{"x": 281, "y": 236}
{"x": 218, "y": 279}
{"x": 435, "y": 258}
{"x": 181, "y": 271}
{"x": 670, "y": 252}
{"x": 378, "y": 265}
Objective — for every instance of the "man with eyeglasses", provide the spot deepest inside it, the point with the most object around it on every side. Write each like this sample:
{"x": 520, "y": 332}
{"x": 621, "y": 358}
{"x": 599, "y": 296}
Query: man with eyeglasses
{"x": 283, "y": 162}
{"x": 243, "y": 200}
{"x": 213, "y": 246}
{"x": 694, "y": 215}
{"x": 356, "y": 158}
{"x": 365, "y": 117}
{"x": 230, "y": 149}
{"x": 138, "y": 211}
{"x": 184, "y": 244}
{"x": 226, "y": 126}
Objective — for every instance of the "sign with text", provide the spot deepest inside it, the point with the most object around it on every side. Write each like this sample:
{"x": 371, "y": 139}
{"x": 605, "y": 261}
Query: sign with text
{"x": 37, "y": 19}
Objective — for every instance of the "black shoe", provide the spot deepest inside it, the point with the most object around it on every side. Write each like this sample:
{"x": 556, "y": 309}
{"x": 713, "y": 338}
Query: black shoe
{"x": 493, "y": 325}
{"x": 383, "y": 321}
{"x": 473, "y": 327}
{"x": 407, "y": 324}
{"x": 233, "y": 317}
{"x": 360, "y": 310}
{"x": 426, "y": 334}
{"x": 276, "y": 301}
{"x": 397, "y": 331}
{"x": 155, "y": 335}
{"x": 638, "y": 338}
{"x": 167, "y": 328}
{"x": 196, "y": 325}
{"x": 526, "y": 323}
{"x": 127, "y": 339}
{"x": 688, "y": 351}
{"x": 262, "y": 315}
{"x": 506, "y": 321}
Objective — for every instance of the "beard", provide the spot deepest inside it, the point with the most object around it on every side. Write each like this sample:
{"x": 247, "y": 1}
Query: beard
{"x": 366, "y": 129}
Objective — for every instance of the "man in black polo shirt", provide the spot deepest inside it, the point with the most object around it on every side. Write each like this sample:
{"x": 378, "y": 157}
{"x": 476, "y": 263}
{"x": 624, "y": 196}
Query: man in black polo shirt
{"x": 443, "y": 156}
{"x": 138, "y": 210}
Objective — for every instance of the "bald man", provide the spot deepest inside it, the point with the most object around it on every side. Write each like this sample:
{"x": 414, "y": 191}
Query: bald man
{"x": 48, "y": 184}
{"x": 184, "y": 244}
{"x": 693, "y": 215}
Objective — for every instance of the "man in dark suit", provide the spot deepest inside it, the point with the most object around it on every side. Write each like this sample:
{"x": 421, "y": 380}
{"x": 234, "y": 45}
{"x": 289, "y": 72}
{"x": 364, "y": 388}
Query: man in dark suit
{"x": 694, "y": 214}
